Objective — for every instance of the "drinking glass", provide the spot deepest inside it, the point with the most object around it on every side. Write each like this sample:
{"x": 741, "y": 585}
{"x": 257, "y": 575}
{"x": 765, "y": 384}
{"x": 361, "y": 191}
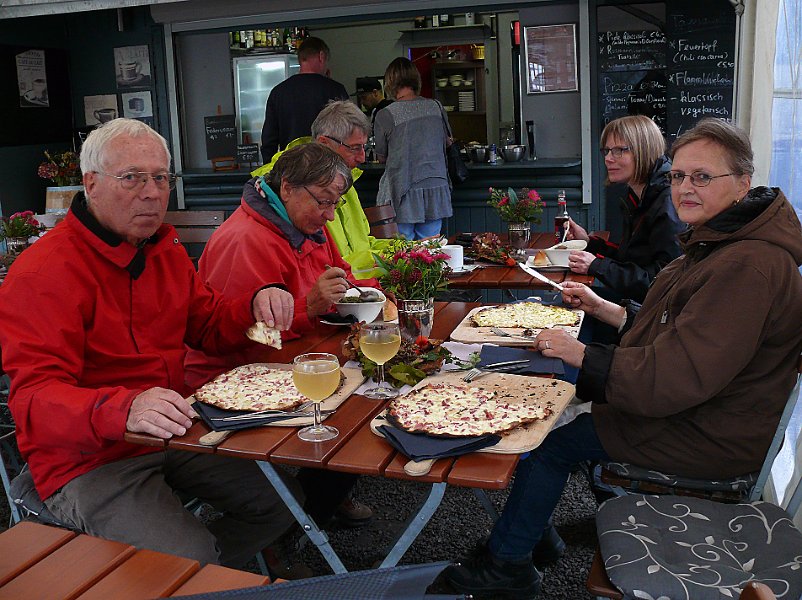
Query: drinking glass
{"x": 380, "y": 342}
{"x": 316, "y": 376}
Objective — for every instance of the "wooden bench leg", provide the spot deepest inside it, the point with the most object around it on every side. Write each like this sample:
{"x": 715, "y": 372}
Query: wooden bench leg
{"x": 598, "y": 583}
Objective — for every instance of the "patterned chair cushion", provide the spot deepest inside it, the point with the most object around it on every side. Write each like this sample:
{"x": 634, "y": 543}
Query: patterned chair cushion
{"x": 25, "y": 496}
{"x": 741, "y": 484}
{"x": 667, "y": 547}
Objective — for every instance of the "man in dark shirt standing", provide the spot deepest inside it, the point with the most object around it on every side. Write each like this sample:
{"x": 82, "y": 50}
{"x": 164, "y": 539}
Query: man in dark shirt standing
{"x": 294, "y": 103}
{"x": 369, "y": 92}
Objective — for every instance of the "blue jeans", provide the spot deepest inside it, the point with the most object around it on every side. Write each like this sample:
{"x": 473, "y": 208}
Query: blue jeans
{"x": 417, "y": 231}
{"x": 539, "y": 482}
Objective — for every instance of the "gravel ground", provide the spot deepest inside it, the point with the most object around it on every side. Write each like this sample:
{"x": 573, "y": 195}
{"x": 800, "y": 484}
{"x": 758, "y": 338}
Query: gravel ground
{"x": 454, "y": 529}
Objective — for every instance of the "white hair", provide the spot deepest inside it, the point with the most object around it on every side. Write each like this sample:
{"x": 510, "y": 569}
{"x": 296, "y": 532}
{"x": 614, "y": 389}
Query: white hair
{"x": 93, "y": 157}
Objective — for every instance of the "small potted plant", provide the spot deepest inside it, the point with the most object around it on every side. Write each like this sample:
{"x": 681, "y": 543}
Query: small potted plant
{"x": 16, "y": 230}
{"x": 64, "y": 170}
{"x": 415, "y": 273}
{"x": 519, "y": 211}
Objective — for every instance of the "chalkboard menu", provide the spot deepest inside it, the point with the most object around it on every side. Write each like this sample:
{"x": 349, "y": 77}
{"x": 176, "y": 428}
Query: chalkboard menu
{"x": 676, "y": 77}
{"x": 248, "y": 153}
{"x": 221, "y": 136}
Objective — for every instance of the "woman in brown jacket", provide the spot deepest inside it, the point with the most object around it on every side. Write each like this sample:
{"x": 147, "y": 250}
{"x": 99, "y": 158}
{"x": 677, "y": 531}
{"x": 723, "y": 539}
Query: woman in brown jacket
{"x": 701, "y": 375}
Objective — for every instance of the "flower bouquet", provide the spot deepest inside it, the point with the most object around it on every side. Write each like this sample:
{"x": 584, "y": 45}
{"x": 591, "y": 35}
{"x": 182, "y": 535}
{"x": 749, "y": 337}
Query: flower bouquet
{"x": 415, "y": 359}
{"x": 62, "y": 169}
{"x": 413, "y": 271}
{"x": 514, "y": 208}
{"x": 20, "y": 225}
{"x": 489, "y": 247}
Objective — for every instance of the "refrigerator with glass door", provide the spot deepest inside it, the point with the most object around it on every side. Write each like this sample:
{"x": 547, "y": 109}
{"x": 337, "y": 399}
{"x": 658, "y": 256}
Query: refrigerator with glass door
{"x": 254, "y": 78}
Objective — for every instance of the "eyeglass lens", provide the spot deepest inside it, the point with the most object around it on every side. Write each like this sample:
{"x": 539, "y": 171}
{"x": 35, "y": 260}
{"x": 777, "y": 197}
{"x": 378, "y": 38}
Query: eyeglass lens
{"x": 617, "y": 151}
{"x": 135, "y": 179}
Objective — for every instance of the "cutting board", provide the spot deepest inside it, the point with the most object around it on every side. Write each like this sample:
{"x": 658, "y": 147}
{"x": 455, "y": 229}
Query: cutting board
{"x": 525, "y": 437}
{"x": 468, "y": 333}
{"x": 353, "y": 378}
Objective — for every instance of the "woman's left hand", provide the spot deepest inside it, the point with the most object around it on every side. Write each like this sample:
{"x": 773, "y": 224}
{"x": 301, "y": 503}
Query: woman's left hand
{"x": 579, "y": 261}
{"x": 559, "y": 343}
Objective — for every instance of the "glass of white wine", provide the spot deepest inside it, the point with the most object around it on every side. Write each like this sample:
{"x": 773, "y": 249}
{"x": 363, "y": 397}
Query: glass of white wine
{"x": 380, "y": 342}
{"x": 317, "y": 376}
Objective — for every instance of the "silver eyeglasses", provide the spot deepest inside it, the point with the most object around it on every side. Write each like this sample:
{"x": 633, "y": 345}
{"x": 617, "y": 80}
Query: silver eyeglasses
{"x": 617, "y": 151}
{"x": 137, "y": 179}
{"x": 324, "y": 204}
{"x": 355, "y": 148}
{"x": 676, "y": 178}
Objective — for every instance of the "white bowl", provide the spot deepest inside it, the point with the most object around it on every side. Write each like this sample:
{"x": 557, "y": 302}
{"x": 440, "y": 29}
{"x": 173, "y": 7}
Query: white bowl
{"x": 559, "y": 253}
{"x": 363, "y": 311}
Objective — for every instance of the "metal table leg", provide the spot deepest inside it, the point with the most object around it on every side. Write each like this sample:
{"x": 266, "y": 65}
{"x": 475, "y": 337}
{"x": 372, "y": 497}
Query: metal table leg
{"x": 313, "y": 532}
{"x": 486, "y": 503}
{"x": 415, "y": 525}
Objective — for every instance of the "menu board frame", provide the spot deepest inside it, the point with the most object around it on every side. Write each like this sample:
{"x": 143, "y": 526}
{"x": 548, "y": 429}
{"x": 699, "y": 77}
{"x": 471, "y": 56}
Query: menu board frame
{"x": 550, "y": 55}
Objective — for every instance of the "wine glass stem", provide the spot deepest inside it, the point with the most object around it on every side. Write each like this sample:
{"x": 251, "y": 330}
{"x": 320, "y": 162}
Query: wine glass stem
{"x": 380, "y": 375}
{"x": 316, "y": 415}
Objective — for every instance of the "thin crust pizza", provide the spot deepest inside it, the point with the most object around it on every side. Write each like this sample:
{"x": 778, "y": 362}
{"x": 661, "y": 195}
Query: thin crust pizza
{"x": 529, "y": 315}
{"x": 260, "y": 333}
{"x": 451, "y": 410}
{"x": 251, "y": 387}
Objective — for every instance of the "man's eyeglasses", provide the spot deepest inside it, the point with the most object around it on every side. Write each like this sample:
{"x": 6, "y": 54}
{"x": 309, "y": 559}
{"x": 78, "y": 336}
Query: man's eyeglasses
{"x": 617, "y": 151}
{"x": 324, "y": 204}
{"x": 138, "y": 179}
{"x": 676, "y": 178}
{"x": 355, "y": 148}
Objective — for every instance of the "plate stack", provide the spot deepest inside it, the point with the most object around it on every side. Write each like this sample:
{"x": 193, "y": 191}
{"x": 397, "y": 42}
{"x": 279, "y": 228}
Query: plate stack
{"x": 466, "y": 102}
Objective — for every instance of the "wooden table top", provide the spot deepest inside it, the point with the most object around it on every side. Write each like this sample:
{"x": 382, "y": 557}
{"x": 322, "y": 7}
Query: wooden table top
{"x": 39, "y": 561}
{"x": 509, "y": 278}
{"x": 356, "y": 449}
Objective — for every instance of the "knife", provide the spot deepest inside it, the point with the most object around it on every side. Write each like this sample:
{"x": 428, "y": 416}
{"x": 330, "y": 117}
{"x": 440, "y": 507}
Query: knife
{"x": 507, "y": 363}
{"x": 537, "y": 275}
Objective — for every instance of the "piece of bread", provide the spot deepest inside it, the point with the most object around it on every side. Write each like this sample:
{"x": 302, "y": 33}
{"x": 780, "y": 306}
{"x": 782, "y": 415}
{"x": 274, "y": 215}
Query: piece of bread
{"x": 390, "y": 311}
{"x": 262, "y": 334}
{"x": 541, "y": 260}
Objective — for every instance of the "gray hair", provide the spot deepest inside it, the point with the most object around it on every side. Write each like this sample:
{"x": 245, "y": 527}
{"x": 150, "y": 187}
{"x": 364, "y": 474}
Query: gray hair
{"x": 93, "y": 150}
{"x": 732, "y": 140}
{"x": 309, "y": 164}
{"x": 339, "y": 119}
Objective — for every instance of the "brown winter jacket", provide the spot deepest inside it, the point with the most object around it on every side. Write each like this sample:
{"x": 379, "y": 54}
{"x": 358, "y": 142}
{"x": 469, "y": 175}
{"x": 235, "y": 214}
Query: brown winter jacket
{"x": 699, "y": 381}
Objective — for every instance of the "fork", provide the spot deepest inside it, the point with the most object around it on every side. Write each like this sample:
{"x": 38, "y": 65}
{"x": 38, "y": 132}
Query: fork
{"x": 477, "y": 372}
{"x": 502, "y": 333}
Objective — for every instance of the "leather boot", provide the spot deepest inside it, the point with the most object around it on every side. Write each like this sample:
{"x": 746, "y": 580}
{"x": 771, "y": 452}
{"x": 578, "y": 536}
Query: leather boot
{"x": 484, "y": 576}
{"x": 549, "y": 549}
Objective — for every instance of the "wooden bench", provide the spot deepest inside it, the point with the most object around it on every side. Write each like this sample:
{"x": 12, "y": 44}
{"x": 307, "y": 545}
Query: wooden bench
{"x": 194, "y": 228}
{"x": 38, "y": 561}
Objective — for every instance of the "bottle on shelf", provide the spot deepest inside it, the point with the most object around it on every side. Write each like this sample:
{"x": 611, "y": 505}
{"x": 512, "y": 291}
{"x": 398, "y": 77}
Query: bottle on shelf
{"x": 561, "y": 219}
{"x": 492, "y": 155}
{"x": 445, "y": 20}
{"x": 435, "y": 20}
{"x": 420, "y": 22}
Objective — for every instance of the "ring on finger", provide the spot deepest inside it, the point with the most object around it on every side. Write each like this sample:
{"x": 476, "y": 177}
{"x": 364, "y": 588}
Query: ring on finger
{"x": 548, "y": 345}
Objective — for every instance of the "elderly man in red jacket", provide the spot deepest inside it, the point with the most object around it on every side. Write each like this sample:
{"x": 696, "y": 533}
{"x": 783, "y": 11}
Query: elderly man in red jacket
{"x": 95, "y": 319}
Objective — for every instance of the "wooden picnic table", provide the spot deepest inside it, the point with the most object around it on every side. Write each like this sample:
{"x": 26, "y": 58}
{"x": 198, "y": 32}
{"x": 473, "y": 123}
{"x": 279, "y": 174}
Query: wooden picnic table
{"x": 502, "y": 277}
{"x": 39, "y": 561}
{"x": 356, "y": 450}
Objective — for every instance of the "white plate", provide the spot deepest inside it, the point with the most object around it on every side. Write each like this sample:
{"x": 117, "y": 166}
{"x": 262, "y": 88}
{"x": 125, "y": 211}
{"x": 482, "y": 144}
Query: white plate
{"x": 335, "y": 324}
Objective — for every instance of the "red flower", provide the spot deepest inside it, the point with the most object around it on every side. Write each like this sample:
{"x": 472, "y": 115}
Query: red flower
{"x": 421, "y": 341}
{"x": 396, "y": 276}
{"x": 415, "y": 275}
{"x": 504, "y": 201}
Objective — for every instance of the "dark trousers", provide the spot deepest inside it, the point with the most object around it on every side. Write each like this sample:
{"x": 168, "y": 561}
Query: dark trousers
{"x": 539, "y": 482}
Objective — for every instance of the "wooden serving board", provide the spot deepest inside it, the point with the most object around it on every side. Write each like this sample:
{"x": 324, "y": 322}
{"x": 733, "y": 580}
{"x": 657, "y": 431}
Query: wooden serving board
{"x": 468, "y": 333}
{"x": 525, "y": 437}
{"x": 353, "y": 379}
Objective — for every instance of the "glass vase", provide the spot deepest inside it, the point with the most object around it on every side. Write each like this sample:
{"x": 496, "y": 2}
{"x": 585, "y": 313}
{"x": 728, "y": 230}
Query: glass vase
{"x": 15, "y": 245}
{"x": 415, "y": 318}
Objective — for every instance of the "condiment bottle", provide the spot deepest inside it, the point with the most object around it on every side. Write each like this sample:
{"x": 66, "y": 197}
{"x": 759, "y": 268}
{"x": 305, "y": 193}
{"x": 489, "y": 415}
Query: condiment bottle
{"x": 561, "y": 220}
{"x": 493, "y": 158}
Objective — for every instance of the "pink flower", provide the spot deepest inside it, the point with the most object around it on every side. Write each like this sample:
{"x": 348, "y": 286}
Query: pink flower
{"x": 504, "y": 201}
{"x": 415, "y": 275}
{"x": 533, "y": 195}
{"x": 396, "y": 276}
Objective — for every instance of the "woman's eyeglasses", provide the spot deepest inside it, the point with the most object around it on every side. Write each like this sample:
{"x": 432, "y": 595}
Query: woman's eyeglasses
{"x": 355, "y": 148}
{"x": 138, "y": 179}
{"x": 617, "y": 151}
{"x": 676, "y": 178}
{"x": 324, "y": 204}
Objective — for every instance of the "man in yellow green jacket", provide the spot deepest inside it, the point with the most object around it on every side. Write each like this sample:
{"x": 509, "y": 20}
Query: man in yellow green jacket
{"x": 344, "y": 128}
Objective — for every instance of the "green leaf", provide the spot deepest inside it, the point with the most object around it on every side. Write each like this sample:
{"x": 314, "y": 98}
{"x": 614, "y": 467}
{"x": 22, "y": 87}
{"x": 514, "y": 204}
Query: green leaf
{"x": 406, "y": 374}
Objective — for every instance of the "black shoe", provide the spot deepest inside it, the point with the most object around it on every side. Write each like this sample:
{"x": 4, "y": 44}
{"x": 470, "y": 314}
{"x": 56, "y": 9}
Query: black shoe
{"x": 484, "y": 576}
{"x": 549, "y": 549}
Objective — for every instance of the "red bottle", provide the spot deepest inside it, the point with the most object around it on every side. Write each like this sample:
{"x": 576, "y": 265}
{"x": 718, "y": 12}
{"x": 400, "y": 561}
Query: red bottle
{"x": 561, "y": 220}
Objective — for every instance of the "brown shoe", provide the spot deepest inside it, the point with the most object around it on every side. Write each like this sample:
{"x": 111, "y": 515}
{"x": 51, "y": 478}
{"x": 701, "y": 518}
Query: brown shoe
{"x": 283, "y": 560}
{"x": 352, "y": 513}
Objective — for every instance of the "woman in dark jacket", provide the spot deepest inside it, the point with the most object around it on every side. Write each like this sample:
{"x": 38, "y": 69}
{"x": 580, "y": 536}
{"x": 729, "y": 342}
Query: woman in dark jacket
{"x": 633, "y": 150}
{"x": 700, "y": 378}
